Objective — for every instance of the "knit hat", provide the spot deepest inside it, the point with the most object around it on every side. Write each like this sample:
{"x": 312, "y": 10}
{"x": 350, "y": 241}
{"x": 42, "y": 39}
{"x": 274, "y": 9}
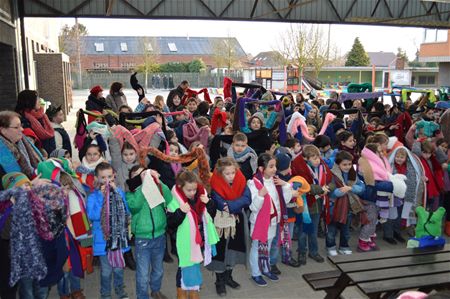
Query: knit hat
{"x": 50, "y": 169}
{"x": 96, "y": 90}
{"x": 58, "y": 153}
{"x": 282, "y": 150}
{"x": 283, "y": 161}
{"x": 258, "y": 115}
{"x": 14, "y": 179}
{"x": 99, "y": 129}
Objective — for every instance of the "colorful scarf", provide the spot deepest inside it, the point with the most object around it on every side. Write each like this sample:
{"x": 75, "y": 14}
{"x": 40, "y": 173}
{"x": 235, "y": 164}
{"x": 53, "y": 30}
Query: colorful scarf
{"x": 380, "y": 166}
{"x": 218, "y": 121}
{"x": 114, "y": 222}
{"x": 21, "y": 157}
{"x": 224, "y": 189}
{"x": 40, "y": 123}
{"x": 297, "y": 120}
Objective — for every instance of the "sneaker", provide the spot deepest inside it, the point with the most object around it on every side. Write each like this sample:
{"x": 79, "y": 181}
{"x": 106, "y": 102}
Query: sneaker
{"x": 158, "y": 295}
{"x": 274, "y": 270}
{"x": 332, "y": 251}
{"x": 317, "y": 258}
{"x": 259, "y": 281}
{"x": 292, "y": 263}
{"x": 271, "y": 276}
{"x": 302, "y": 258}
{"x": 363, "y": 246}
{"x": 390, "y": 241}
{"x": 345, "y": 251}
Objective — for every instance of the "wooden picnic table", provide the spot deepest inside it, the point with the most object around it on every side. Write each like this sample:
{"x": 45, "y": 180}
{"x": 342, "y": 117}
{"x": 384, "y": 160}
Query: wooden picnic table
{"x": 382, "y": 274}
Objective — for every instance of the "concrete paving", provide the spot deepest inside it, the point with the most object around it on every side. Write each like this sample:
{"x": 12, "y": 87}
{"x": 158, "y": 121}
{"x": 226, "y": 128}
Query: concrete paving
{"x": 290, "y": 285}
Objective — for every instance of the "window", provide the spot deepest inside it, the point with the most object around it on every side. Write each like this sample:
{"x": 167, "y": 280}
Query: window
{"x": 100, "y": 65}
{"x": 149, "y": 47}
{"x": 172, "y": 47}
{"x": 123, "y": 47}
{"x": 99, "y": 47}
{"x": 427, "y": 80}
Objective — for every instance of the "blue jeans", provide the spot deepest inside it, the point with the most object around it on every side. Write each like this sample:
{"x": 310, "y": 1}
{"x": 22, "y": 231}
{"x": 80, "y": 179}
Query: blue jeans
{"x": 274, "y": 248}
{"x": 30, "y": 289}
{"x": 68, "y": 284}
{"x": 253, "y": 257}
{"x": 149, "y": 260}
{"x": 310, "y": 237}
{"x": 106, "y": 272}
{"x": 344, "y": 235}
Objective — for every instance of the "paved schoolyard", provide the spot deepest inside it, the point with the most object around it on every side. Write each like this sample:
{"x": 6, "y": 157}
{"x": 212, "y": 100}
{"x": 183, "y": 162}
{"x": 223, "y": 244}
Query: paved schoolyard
{"x": 290, "y": 285}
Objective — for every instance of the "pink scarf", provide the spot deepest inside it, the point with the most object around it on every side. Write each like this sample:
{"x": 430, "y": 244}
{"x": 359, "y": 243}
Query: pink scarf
{"x": 298, "y": 120}
{"x": 261, "y": 228}
{"x": 380, "y": 166}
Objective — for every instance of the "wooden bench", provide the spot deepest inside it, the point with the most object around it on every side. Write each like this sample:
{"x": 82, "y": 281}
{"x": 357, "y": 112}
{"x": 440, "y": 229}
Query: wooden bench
{"x": 383, "y": 274}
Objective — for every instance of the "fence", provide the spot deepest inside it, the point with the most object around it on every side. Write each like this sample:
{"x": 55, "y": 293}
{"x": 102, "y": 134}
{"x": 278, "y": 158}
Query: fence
{"x": 196, "y": 80}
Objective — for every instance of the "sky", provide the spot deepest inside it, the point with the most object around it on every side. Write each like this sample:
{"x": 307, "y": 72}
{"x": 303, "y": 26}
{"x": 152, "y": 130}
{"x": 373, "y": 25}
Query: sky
{"x": 257, "y": 37}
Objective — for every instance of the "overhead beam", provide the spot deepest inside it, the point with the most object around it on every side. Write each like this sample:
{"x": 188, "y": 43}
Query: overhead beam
{"x": 403, "y": 9}
{"x": 226, "y": 8}
{"x": 132, "y": 7}
{"x": 274, "y": 9}
{"x": 78, "y": 7}
{"x": 155, "y": 8}
{"x": 208, "y": 8}
{"x": 253, "y": 9}
{"x": 335, "y": 10}
{"x": 350, "y": 9}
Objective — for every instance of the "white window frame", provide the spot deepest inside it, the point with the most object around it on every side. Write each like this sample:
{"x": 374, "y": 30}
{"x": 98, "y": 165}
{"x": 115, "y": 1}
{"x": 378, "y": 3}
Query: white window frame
{"x": 99, "y": 47}
{"x": 123, "y": 47}
{"x": 172, "y": 47}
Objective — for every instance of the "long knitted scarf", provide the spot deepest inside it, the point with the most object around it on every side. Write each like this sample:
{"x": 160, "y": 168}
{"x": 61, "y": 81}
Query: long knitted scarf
{"x": 114, "y": 220}
{"x": 242, "y": 157}
{"x": 380, "y": 166}
{"x": 189, "y": 93}
{"x": 40, "y": 123}
{"x": 22, "y": 154}
{"x": 197, "y": 153}
{"x": 298, "y": 120}
{"x": 218, "y": 121}
{"x": 39, "y": 212}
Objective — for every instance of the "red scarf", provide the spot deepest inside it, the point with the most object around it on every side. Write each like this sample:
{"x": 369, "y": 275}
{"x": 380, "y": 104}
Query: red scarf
{"x": 197, "y": 209}
{"x": 190, "y": 93}
{"x": 401, "y": 169}
{"x": 219, "y": 120}
{"x": 434, "y": 175}
{"x": 40, "y": 123}
{"x": 225, "y": 190}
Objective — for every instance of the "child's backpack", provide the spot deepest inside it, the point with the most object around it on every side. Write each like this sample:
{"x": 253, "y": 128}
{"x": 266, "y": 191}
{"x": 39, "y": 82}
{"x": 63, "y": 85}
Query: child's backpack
{"x": 81, "y": 130}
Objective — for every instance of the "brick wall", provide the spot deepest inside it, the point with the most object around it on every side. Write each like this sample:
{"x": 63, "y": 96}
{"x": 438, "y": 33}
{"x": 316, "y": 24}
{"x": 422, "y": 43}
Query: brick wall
{"x": 8, "y": 78}
{"x": 53, "y": 79}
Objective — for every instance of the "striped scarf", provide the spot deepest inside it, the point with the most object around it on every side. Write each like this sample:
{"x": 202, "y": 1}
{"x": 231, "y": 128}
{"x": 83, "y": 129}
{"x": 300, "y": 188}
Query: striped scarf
{"x": 40, "y": 124}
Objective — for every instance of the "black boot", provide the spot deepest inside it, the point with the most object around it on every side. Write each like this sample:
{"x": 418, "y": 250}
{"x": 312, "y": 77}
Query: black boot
{"x": 229, "y": 280}
{"x": 220, "y": 284}
{"x": 129, "y": 260}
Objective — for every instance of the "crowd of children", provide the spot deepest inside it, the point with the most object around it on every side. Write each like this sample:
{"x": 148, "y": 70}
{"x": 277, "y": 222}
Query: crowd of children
{"x": 224, "y": 183}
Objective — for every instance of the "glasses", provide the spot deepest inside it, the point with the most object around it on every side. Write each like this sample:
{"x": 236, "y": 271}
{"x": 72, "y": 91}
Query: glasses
{"x": 16, "y": 127}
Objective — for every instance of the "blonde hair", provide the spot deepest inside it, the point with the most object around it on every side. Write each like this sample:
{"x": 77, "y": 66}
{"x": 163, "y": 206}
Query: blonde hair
{"x": 159, "y": 102}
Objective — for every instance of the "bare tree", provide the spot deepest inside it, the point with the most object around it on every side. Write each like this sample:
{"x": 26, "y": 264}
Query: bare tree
{"x": 150, "y": 52}
{"x": 303, "y": 45}
{"x": 225, "y": 54}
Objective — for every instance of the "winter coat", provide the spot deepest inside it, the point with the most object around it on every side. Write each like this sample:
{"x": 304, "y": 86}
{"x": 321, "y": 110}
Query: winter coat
{"x": 94, "y": 104}
{"x": 94, "y": 211}
{"x": 147, "y": 223}
{"x": 234, "y": 206}
{"x": 116, "y": 100}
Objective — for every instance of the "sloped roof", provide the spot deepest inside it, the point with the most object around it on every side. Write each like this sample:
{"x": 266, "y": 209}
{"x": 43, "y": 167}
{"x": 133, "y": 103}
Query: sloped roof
{"x": 266, "y": 59}
{"x": 136, "y": 45}
{"x": 382, "y": 58}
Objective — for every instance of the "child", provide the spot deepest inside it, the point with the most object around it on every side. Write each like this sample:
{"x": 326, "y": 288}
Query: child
{"x": 284, "y": 173}
{"x": 256, "y": 122}
{"x": 344, "y": 202}
{"x": 231, "y": 196}
{"x": 347, "y": 142}
{"x": 244, "y": 155}
{"x": 294, "y": 147}
{"x": 122, "y": 160}
{"x": 108, "y": 211}
{"x": 218, "y": 104}
{"x": 374, "y": 170}
{"x": 189, "y": 213}
{"x": 269, "y": 195}
{"x": 146, "y": 201}
{"x": 327, "y": 154}
{"x": 62, "y": 139}
{"x": 79, "y": 229}
{"x": 403, "y": 161}
{"x": 89, "y": 162}
{"x": 159, "y": 103}
{"x": 433, "y": 173}
{"x": 191, "y": 105}
{"x": 318, "y": 175}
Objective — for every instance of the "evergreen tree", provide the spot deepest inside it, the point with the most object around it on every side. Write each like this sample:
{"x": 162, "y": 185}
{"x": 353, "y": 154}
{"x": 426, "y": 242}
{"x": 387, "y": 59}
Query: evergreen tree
{"x": 357, "y": 55}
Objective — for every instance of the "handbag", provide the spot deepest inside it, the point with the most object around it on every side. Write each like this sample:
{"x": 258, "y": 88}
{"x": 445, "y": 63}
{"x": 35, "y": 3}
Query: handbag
{"x": 225, "y": 224}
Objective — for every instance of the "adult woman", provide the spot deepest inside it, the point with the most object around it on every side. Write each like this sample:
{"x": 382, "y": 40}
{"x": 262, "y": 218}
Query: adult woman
{"x": 33, "y": 116}
{"x": 17, "y": 154}
{"x": 116, "y": 97}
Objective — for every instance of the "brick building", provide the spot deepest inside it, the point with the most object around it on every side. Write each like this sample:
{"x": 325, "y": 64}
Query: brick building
{"x": 436, "y": 48}
{"x": 122, "y": 53}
